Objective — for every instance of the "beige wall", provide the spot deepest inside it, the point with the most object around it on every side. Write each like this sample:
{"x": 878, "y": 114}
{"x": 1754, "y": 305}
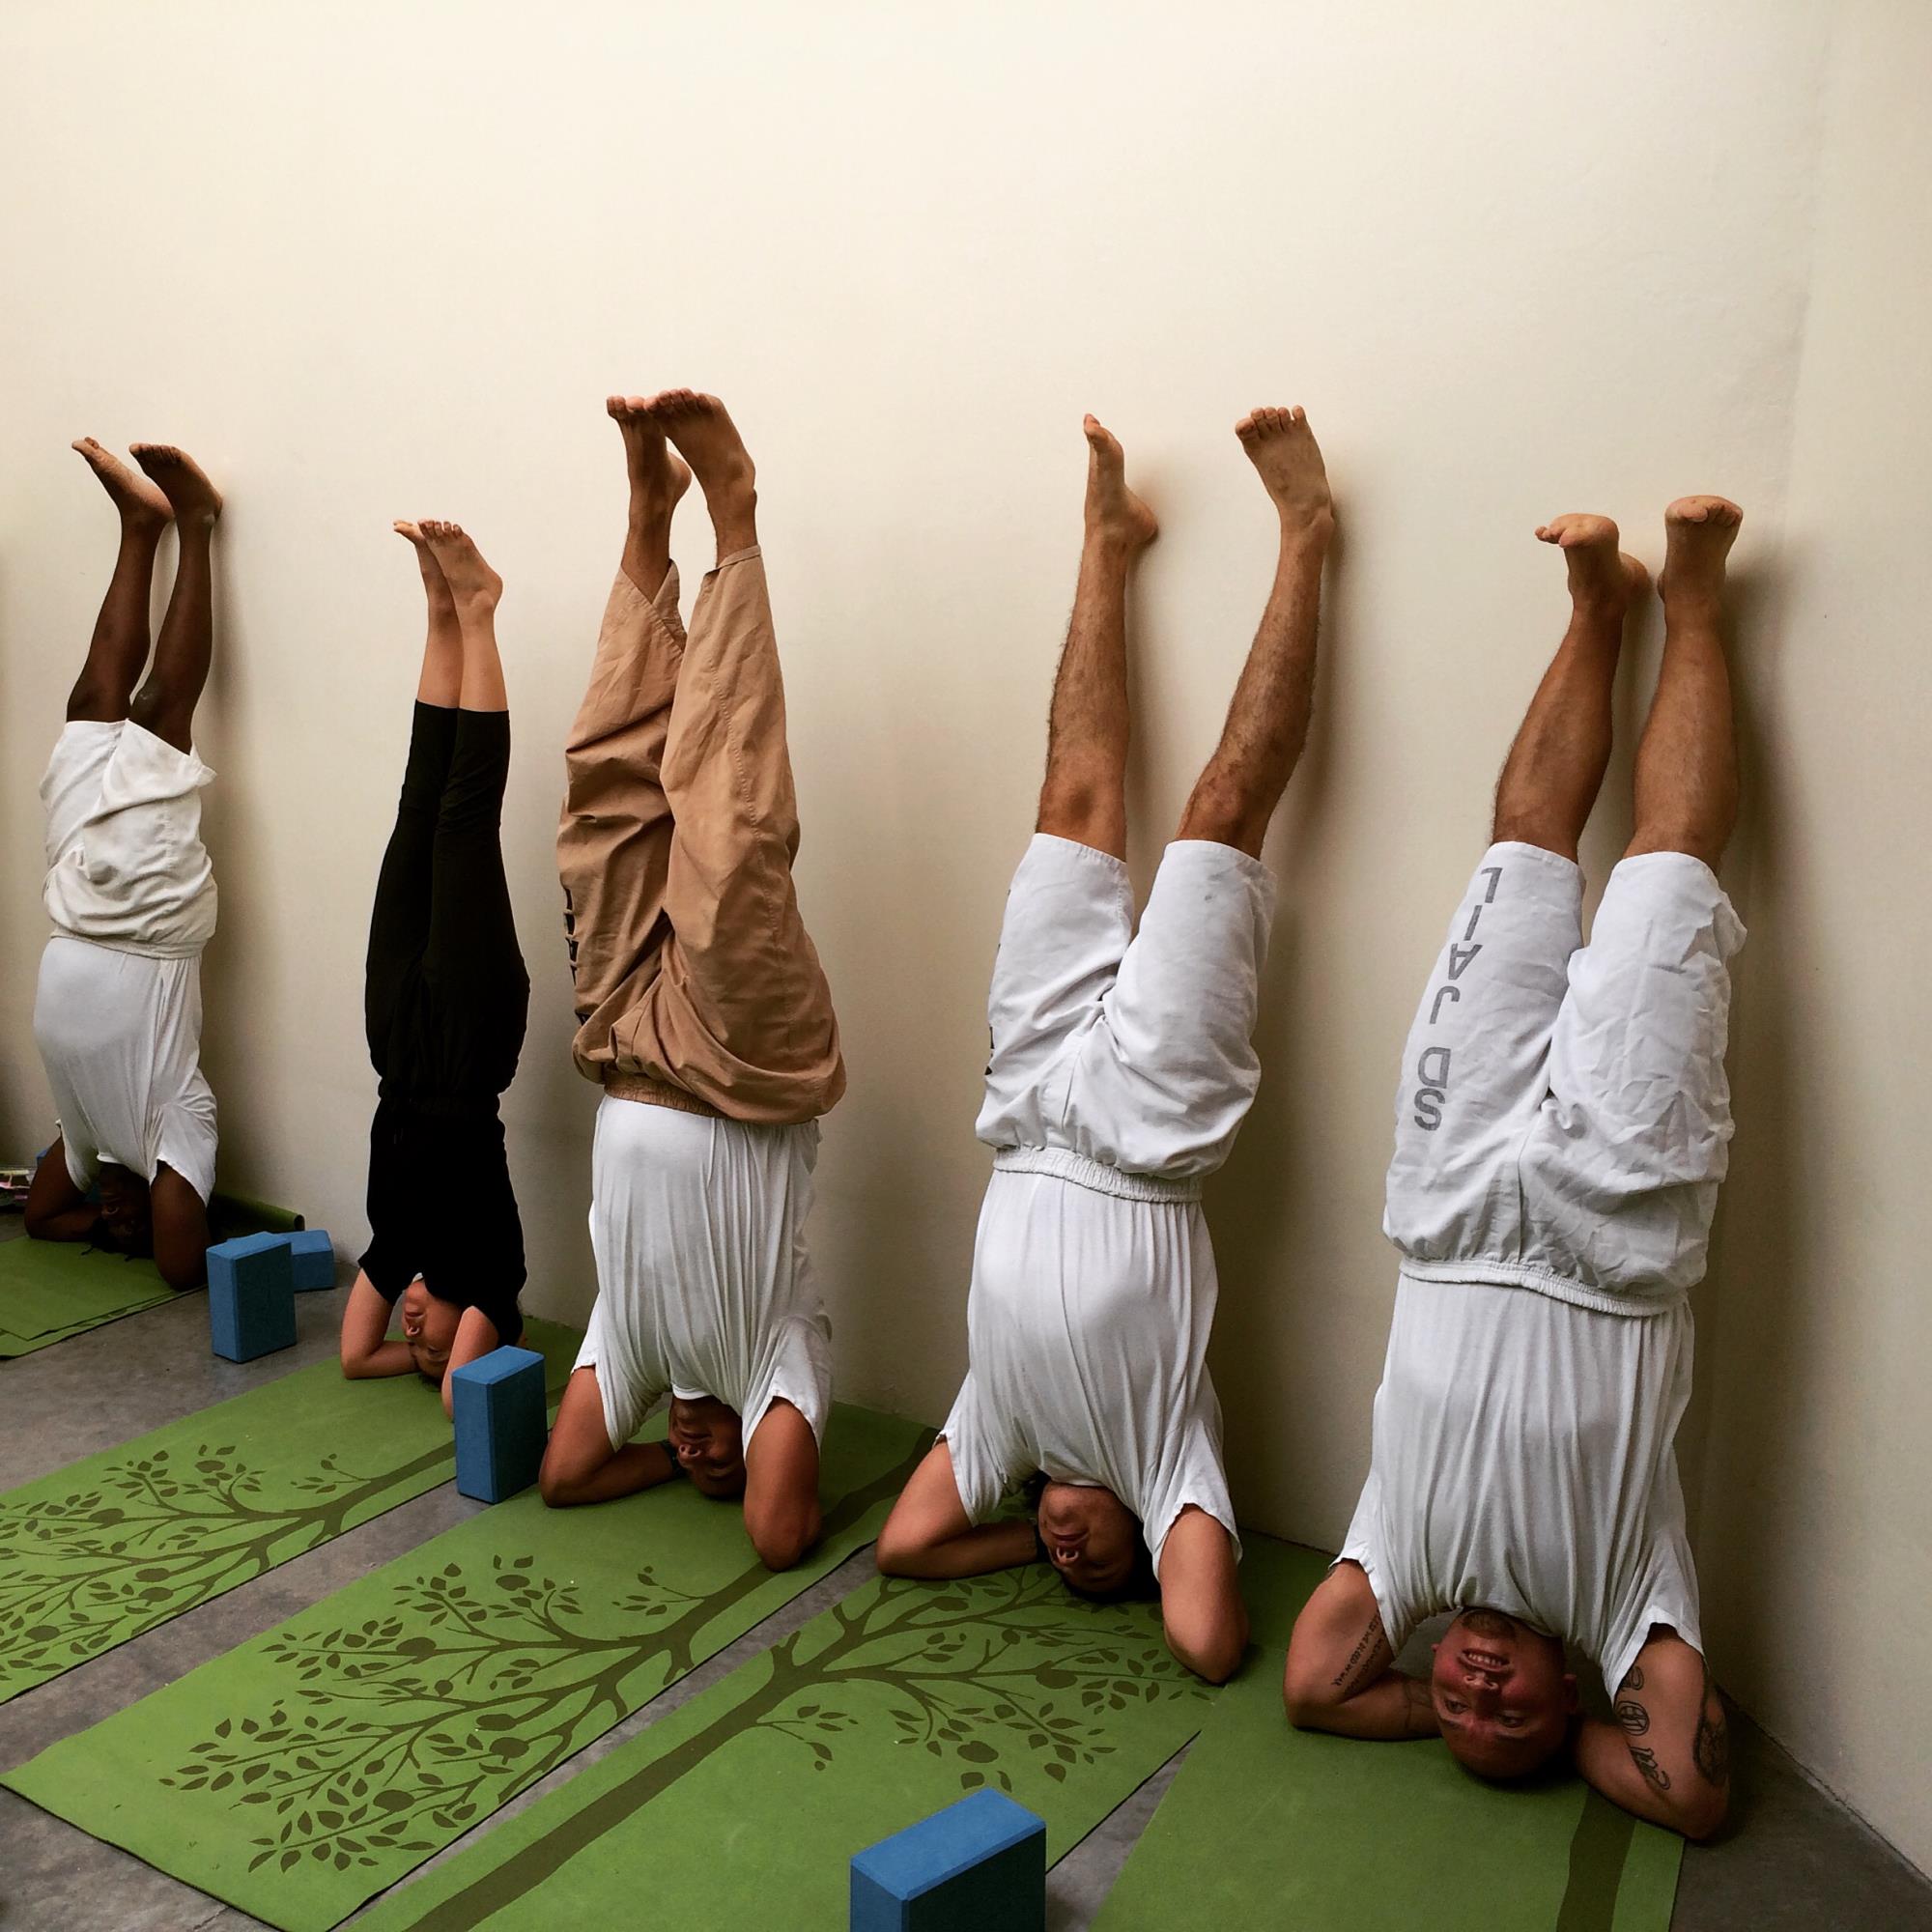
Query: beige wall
{"x": 377, "y": 261}
{"x": 1815, "y": 1531}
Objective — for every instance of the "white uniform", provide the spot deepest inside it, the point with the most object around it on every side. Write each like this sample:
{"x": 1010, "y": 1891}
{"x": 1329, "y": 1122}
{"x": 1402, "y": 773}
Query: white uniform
{"x": 704, "y": 1286}
{"x": 1562, "y": 1128}
{"x": 1123, "y": 1065}
{"x": 117, "y": 1013}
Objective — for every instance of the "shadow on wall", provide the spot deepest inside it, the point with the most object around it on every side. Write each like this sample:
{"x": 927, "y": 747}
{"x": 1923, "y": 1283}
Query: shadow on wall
{"x": 1751, "y": 1310}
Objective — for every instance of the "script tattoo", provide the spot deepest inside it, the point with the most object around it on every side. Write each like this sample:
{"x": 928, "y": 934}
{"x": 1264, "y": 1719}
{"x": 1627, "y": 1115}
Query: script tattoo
{"x": 1646, "y": 1762}
{"x": 1712, "y": 1748}
{"x": 1365, "y": 1660}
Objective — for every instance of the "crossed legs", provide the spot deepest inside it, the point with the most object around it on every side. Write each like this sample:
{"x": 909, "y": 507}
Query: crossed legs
{"x": 1083, "y": 795}
{"x": 175, "y": 490}
{"x": 1687, "y": 779}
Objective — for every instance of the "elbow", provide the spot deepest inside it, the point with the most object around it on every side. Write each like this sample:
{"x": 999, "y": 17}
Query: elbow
{"x": 1304, "y": 1700}
{"x": 1216, "y": 1663}
{"x": 557, "y": 1491}
{"x": 782, "y": 1540}
{"x": 895, "y": 1553}
{"x": 1701, "y": 1817}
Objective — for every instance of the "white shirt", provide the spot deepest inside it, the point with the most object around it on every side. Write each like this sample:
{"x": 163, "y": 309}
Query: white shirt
{"x": 1087, "y": 1324}
{"x": 1524, "y": 1461}
{"x": 120, "y": 1034}
{"x": 704, "y": 1287}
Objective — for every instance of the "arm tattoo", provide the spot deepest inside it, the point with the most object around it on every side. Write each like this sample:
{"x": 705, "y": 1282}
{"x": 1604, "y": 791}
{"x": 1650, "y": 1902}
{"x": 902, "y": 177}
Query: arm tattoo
{"x": 1364, "y": 1662}
{"x": 1632, "y": 1717}
{"x": 1646, "y": 1762}
{"x": 1633, "y": 1678}
{"x": 1712, "y": 1748}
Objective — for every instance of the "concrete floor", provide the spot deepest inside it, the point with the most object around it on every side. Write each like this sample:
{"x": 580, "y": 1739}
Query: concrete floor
{"x": 1792, "y": 1858}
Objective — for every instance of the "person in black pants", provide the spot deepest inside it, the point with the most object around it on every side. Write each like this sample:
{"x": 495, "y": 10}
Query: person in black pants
{"x": 446, "y": 999}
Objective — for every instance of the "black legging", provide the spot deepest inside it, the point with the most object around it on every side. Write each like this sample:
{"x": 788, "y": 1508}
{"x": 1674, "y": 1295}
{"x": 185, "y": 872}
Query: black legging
{"x": 446, "y": 1002}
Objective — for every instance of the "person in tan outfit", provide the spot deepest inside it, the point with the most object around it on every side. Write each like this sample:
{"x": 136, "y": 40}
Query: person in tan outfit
{"x": 702, "y": 1012}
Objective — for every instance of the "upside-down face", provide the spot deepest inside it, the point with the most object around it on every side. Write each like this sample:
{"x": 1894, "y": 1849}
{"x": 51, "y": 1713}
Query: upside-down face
{"x": 707, "y": 1437}
{"x": 1091, "y": 1537}
{"x": 1501, "y": 1694}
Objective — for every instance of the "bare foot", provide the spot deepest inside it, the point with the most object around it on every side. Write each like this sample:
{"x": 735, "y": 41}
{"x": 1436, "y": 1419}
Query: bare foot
{"x": 1698, "y": 534}
{"x": 1114, "y": 513}
{"x": 196, "y": 501}
{"x": 474, "y": 586}
{"x": 1283, "y": 449}
{"x": 138, "y": 500}
{"x": 709, "y": 441}
{"x": 1600, "y": 574}
{"x": 658, "y": 479}
{"x": 435, "y": 584}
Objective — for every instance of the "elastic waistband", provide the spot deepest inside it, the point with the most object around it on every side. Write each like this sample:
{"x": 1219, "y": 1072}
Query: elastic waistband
{"x": 1063, "y": 1164}
{"x": 1629, "y": 1303}
{"x": 621, "y": 1086}
{"x": 139, "y": 950}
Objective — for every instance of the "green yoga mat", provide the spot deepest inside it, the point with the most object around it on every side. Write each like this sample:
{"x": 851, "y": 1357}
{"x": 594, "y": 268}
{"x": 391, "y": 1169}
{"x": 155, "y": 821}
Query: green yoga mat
{"x": 325, "y": 1759}
{"x": 105, "y": 1548}
{"x": 745, "y": 1806}
{"x": 51, "y": 1289}
{"x": 1270, "y": 1826}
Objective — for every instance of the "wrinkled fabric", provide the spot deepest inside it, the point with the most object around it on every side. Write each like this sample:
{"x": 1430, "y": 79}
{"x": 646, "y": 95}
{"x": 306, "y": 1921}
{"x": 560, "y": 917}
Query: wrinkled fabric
{"x": 1563, "y": 1119}
{"x": 691, "y": 965}
{"x": 120, "y": 1036}
{"x": 705, "y": 1283}
{"x": 126, "y": 865}
{"x": 1524, "y": 1461}
{"x": 1123, "y": 1065}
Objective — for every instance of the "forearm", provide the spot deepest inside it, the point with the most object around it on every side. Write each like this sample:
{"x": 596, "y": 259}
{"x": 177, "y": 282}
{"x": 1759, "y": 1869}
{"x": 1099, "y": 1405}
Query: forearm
{"x": 973, "y": 1552}
{"x": 385, "y": 1358}
{"x": 1392, "y": 1707}
{"x": 65, "y": 1224}
{"x": 1608, "y": 1761}
{"x": 639, "y": 1465}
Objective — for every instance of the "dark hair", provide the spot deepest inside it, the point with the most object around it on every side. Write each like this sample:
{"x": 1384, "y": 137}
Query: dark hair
{"x": 1141, "y": 1584}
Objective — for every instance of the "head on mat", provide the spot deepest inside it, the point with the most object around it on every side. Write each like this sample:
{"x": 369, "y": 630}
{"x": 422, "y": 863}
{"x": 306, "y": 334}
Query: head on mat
{"x": 1502, "y": 1696}
{"x": 429, "y": 1328}
{"x": 707, "y": 1438}
{"x": 126, "y": 1224}
{"x": 1092, "y": 1539}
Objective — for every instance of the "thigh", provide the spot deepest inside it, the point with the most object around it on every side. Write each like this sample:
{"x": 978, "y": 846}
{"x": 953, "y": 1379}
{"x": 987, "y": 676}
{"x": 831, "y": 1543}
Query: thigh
{"x": 1161, "y": 1084}
{"x": 1476, "y": 1064}
{"x": 70, "y": 789}
{"x": 1068, "y": 926}
{"x": 1623, "y": 1169}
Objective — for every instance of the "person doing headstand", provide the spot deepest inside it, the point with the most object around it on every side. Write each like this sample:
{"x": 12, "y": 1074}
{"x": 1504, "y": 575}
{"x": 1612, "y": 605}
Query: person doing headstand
{"x": 1123, "y": 1065}
{"x": 1562, "y": 1126}
{"x": 702, "y": 1013}
{"x": 445, "y": 998}
{"x": 130, "y": 891}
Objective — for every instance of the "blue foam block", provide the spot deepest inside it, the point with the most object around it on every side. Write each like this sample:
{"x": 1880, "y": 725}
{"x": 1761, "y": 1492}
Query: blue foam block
{"x": 977, "y": 1865}
{"x": 251, "y": 1296}
{"x": 499, "y": 1410}
{"x": 314, "y": 1256}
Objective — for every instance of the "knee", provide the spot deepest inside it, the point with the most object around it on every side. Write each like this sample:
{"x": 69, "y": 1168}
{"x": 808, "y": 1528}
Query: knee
{"x": 1664, "y": 835}
{"x": 1516, "y": 826}
{"x": 1225, "y": 811}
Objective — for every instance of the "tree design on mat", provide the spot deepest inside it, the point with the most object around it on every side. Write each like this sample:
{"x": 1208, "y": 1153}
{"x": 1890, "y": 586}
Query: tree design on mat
{"x": 83, "y": 1571}
{"x": 989, "y": 1672}
{"x": 996, "y": 1674}
{"x": 431, "y": 1717}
